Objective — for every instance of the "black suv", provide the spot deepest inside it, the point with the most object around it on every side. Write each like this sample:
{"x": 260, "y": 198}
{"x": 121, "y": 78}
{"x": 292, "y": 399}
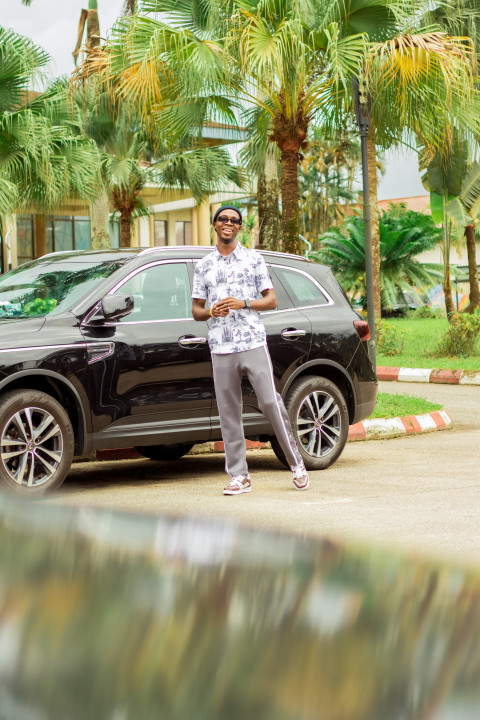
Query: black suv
{"x": 99, "y": 350}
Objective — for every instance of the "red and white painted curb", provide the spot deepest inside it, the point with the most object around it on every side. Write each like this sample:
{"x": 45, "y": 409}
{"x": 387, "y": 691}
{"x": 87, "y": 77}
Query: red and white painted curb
{"x": 429, "y": 375}
{"x": 374, "y": 429}
{"x": 381, "y": 428}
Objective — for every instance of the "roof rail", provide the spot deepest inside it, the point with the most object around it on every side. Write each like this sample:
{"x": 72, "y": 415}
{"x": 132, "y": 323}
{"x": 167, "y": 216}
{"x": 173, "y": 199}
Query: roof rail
{"x": 164, "y": 248}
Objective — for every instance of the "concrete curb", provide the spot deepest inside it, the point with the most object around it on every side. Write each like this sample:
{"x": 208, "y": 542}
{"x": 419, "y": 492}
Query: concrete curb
{"x": 429, "y": 375}
{"x": 381, "y": 428}
{"x": 376, "y": 429}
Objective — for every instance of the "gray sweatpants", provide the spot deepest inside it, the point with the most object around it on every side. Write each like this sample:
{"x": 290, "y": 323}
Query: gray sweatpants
{"x": 227, "y": 375}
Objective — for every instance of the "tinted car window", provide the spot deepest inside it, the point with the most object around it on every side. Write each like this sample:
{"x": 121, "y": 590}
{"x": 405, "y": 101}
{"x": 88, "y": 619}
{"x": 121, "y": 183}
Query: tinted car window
{"x": 160, "y": 292}
{"x": 302, "y": 290}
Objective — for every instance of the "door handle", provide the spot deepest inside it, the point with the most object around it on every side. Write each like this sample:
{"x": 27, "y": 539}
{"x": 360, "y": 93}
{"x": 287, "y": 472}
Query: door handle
{"x": 290, "y": 333}
{"x": 188, "y": 341}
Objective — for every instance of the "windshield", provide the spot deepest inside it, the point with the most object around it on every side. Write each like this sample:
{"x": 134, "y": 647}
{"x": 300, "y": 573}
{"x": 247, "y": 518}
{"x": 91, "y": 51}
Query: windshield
{"x": 48, "y": 288}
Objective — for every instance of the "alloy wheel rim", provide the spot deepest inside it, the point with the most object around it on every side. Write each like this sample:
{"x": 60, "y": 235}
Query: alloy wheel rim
{"x": 31, "y": 446}
{"x": 318, "y": 424}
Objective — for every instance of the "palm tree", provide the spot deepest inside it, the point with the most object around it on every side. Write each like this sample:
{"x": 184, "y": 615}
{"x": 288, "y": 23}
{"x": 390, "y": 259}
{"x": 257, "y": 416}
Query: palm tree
{"x": 294, "y": 60}
{"x": 326, "y": 177}
{"x": 421, "y": 83}
{"x": 89, "y": 21}
{"x": 454, "y": 185}
{"x": 43, "y": 158}
{"x": 285, "y": 76}
{"x": 466, "y": 22}
{"x": 261, "y": 158}
{"x": 403, "y": 236}
{"x": 443, "y": 178}
{"x": 134, "y": 157}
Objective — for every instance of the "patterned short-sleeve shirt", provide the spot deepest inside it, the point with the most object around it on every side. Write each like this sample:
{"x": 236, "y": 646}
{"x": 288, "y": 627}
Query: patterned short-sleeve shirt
{"x": 242, "y": 274}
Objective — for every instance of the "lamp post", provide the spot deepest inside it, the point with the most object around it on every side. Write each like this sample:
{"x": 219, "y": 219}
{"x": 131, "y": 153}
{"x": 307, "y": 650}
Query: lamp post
{"x": 362, "y": 113}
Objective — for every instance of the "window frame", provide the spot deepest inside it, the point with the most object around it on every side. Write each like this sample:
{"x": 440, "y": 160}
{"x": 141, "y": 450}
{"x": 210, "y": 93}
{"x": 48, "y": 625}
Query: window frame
{"x": 143, "y": 268}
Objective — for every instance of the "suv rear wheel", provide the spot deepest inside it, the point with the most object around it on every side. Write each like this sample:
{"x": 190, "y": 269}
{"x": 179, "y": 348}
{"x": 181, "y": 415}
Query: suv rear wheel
{"x": 165, "y": 452}
{"x": 36, "y": 442}
{"x": 319, "y": 418}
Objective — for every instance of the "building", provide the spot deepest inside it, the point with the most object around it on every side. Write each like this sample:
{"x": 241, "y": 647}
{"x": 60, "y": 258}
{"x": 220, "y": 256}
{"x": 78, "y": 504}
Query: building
{"x": 175, "y": 219}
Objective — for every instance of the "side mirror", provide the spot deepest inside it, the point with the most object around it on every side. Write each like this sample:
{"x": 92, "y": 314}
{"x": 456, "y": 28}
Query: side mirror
{"x": 114, "y": 307}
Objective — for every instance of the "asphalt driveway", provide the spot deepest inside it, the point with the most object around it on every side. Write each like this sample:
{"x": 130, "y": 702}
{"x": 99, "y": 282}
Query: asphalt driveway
{"x": 415, "y": 494}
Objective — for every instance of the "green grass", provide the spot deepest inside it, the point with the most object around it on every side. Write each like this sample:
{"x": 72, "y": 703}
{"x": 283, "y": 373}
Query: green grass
{"x": 389, "y": 406}
{"x": 420, "y": 337}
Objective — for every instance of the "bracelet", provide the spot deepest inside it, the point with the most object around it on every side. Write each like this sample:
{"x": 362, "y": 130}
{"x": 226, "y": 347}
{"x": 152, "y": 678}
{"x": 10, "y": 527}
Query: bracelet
{"x": 211, "y": 312}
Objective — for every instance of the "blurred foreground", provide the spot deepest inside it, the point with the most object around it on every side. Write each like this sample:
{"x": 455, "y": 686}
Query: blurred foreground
{"x": 111, "y": 616}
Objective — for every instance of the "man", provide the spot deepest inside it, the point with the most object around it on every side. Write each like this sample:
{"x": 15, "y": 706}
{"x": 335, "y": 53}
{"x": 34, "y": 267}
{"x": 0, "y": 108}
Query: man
{"x": 225, "y": 289}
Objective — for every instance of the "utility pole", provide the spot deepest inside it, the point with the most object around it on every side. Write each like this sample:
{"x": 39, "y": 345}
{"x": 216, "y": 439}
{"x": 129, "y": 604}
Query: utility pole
{"x": 362, "y": 113}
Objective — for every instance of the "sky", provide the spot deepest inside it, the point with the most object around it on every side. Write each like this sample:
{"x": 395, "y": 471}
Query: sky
{"x": 53, "y": 24}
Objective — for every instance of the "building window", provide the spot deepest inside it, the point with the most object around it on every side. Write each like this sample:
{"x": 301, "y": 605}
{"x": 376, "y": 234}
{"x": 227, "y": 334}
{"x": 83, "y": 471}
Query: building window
{"x": 183, "y": 233}
{"x": 65, "y": 232}
{"x": 114, "y": 228}
{"x": 82, "y": 233}
{"x": 24, "y": 238}
{"x": 159, "y": 233}
{"x": 63, "y": 227}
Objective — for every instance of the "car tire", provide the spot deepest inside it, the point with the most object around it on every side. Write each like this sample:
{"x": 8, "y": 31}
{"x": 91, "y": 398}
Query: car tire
{"x": 36, "y": 442}
{"x": 165, "y": 452}
{"x": 319, "y": 417}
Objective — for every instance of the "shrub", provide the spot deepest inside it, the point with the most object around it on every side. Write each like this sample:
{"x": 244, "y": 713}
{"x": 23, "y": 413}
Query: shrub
{"x": 425, "y": 312}
{"x": 461, "y": 338}
{"x": 388, "y": 338}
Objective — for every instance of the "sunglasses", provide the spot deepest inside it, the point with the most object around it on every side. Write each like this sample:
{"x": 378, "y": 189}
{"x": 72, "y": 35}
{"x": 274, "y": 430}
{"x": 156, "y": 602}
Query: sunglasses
{"x": 224, "y": 219}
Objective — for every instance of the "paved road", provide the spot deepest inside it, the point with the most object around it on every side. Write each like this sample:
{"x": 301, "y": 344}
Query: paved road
{"x": 415, "y": 494}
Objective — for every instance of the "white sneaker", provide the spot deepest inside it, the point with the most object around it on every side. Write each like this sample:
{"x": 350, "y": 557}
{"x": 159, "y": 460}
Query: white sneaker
{"x": 238, "y": 485}
{"x": 300, "y": 477}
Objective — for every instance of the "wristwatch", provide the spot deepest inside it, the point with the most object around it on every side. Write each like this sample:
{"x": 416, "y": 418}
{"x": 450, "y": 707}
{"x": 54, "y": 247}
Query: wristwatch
{"x": 247, "y": 304}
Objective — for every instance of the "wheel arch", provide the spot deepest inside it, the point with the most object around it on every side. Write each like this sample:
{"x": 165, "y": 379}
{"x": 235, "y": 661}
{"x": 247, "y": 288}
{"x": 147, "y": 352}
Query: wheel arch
{"x": 61, "y": 390}
{"x": 331, "y": 371}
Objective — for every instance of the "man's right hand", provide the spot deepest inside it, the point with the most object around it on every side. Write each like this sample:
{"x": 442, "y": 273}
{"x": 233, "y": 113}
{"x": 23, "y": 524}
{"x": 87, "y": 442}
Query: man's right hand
{"x": 220, "y": 309}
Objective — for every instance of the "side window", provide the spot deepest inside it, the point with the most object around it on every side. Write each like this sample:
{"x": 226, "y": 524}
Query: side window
{"x": 160, "y": 292}
{"x": 302, "y": 290}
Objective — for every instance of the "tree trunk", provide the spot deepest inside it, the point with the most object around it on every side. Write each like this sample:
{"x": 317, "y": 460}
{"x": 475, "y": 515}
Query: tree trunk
{"x": 375, "y": 224}
{"x": 93, "y": 26}
{"x": 447, "y": 284}
{"x": 290, "y": 134}
{"x": 125, "y": 229}
{"x": 40, "y": 235}
{"x": 100, "y": 218}
{"x": 474, "y": 296}
{"x": 291, "y": 241}
{"x": 269, "y": 234}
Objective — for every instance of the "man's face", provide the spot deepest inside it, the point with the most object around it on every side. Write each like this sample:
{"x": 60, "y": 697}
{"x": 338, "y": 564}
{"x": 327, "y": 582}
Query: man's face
{"x": 227, "y": 231}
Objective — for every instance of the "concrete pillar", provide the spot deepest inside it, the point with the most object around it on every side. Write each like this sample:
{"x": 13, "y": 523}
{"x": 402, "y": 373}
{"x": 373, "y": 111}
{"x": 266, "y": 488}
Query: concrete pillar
{"x": 171, "y": 236}
{"x": 194, "y": 226}
{"x": 40, "y": 236}
{"x": 215, "y": 207}
{"x": 10, "y": 257}
{"x": 151, "y": 230}
{"x": 203, "y": 223}
{"x": 143, "y": 225}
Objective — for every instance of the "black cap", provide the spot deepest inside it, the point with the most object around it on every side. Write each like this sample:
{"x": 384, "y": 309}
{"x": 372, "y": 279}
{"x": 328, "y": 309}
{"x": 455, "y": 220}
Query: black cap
{"x": 227, "y": 207}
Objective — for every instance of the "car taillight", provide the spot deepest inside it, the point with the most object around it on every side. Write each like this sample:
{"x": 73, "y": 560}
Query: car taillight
{"x": 361, "y": 326}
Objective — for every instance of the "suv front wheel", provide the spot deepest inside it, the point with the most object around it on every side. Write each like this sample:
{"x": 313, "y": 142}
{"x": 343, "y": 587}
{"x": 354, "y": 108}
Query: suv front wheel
{"x": 319, "y": 417}
{"x": 36, "y": 442}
